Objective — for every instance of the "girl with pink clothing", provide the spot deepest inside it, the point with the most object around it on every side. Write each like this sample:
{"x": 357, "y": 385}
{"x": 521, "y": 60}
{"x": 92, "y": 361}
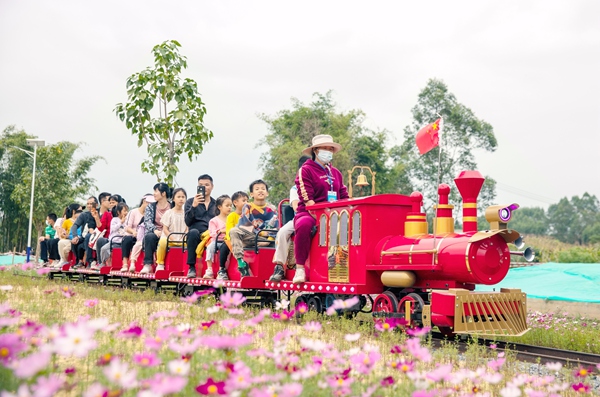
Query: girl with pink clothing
{"x": 216, "y": 228}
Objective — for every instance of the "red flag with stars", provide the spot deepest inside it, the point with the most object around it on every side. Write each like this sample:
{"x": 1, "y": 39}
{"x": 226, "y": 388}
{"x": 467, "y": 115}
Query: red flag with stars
{"x": 428, "y": 137}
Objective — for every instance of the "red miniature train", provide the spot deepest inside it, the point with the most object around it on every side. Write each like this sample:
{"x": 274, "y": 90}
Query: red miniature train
{"x": 377, "y": 248}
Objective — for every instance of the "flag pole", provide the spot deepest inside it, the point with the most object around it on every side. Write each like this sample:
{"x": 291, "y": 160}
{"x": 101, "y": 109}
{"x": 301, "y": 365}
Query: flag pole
{"x": 439, "y": 176}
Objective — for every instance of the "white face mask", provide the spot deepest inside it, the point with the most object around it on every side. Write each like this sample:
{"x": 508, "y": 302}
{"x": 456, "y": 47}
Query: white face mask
{"x": 325, "y": 156}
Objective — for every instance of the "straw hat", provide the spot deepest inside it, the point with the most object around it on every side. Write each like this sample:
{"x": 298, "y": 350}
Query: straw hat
{"x": 320, "y": 141}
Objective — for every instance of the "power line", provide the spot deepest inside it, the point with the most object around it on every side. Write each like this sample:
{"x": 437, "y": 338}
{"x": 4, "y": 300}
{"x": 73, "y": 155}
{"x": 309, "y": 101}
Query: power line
{"x": 524, "y": 193}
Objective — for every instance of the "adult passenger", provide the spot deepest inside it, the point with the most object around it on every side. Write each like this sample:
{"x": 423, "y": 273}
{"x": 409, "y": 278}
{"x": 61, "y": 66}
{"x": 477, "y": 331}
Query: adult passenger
{"x": 152, "y": 223}
{"x": 199, "y": 210}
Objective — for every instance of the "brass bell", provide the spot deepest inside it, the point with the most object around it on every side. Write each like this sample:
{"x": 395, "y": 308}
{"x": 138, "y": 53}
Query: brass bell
{"x": 361, "y": 180}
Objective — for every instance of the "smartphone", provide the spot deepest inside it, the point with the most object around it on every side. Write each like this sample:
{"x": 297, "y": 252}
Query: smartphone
{"x": 201, "y": 190}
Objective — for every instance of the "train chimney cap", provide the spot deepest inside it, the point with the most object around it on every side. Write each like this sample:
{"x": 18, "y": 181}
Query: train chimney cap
{"x": 469, "y": 184}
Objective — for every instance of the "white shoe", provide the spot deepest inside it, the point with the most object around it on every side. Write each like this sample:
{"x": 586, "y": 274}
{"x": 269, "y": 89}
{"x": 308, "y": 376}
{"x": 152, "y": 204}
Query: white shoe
{"x": 209, "y": 273}
{"x": 160, "y": 267}
{"x": 94, "y": 266}
{"x": 299, "y": 277}
{"x": 124, "y": 268}
{"x": 146, "y": 269}
{"x": 131, "y": 268}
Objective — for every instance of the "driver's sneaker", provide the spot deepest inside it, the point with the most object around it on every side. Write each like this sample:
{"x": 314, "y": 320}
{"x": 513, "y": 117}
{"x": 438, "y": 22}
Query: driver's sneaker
{"x": 222, "y": 275}
{"x": 300, "y": 276}
{"x": 278, "y": 273}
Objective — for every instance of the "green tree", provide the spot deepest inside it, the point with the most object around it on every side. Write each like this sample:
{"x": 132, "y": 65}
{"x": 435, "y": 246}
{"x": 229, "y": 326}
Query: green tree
{"x": 60, "y": 180}
{"x": 530, "y": 221}
{"x": 463, "y": 134}
{"x": 178, "y": 129}
{"x": 573, "y": 221}
{"x": 292, "y": 130}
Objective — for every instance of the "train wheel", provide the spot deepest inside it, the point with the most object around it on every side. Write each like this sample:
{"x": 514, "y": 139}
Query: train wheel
{"x": 314, "y": 303}
{"x": 299, "y": 300}
{"x": 385, "y": 303}
{"x": 416, "y": 303}
{"x": 448, "y": 332}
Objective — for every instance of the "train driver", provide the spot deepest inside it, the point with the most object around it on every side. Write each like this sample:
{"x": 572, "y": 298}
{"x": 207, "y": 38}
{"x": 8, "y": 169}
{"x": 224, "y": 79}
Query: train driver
{"x": 317, "y": 182}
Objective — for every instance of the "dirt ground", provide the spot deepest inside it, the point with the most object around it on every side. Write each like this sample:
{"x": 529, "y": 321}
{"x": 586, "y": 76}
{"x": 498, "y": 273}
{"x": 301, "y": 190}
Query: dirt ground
{"x": 590, "y": 310}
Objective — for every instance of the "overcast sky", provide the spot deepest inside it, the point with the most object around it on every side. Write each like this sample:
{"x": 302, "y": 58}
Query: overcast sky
{"x": 531, "y": 69}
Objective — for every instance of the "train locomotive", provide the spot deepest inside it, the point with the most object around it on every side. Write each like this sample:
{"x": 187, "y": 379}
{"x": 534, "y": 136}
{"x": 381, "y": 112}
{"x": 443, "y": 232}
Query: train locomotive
{"x": 379, "y": 249}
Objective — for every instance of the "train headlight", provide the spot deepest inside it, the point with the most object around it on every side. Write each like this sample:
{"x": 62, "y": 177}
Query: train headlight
{"x": 499, "y": 215}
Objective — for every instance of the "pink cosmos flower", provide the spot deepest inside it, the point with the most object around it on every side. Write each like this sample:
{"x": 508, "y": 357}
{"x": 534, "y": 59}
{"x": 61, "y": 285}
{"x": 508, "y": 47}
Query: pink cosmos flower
{"x": 419, "y": 352}
{"x": 206, "y": 325}
{"x": 68, "y": 292}
{"x": 582, "y": 372}
{"x": 342, "y": 304}
{"x": 43, "y": 270}
{"x": 96, "y": 390}
{"x": 556, "y": 366}
{"x": 226, "y": 342}
{"x": 210, "y": 387}
{"x": 291, "y": 389}
{"x": 179, "y": 367}
{"x": 285, "y": 315}
{"x": 510, "y": 391}
{"x": 22, "y": 391}
{"x": 133, "y": 331}
{"x": 164, "y": 313}
{"x": 236, "y": 311}
{"x": 91, "y": 302}
{"x": 364, "y": 362}
{"x": 29, "y": 366}
{"x": 352, "y": 337}
{"x": 387, "y": 381}
{"x": 230, "y": 324}
{"x": 146, "y": 359}
{"x": 76, "y": 340}
{"x": 213, "y": 309}
{"x": 119, "y": 373}
{"x": 301, "y": 308}
{"x": 70, "y": 371}
{"x": 10, "y": 346}
{"x": 254, "y": 321}
{"x": 163, "y": 384}
{"x": 27, "y": 266}
{"x": 496, "y": 364}
{"x": 191, "y": 299}
{"x": 417, "y": 332}
{"x": 162, "y": 336}
{"x": 441, "y": 373}
{"x": 313, "y": 326}
{"x": 189, "y": 346}
{"x": 239, "y": 378}
{"x": 47, "y": 386}
{"x": 388, "y": 324}
{"x": 581, "y": 387}
{"x": 228, "y": 299}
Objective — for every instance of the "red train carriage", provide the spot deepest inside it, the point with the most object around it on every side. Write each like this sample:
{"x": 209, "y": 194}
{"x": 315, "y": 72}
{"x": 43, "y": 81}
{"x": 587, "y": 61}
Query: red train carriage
{"x": 379, "y": 248}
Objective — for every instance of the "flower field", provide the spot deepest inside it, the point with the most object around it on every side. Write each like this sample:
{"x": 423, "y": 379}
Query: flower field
{"x": 78, "y": 340}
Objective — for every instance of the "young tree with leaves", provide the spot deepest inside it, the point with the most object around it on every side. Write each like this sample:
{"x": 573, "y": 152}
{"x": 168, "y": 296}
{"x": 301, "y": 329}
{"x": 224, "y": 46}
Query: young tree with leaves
{"x": 463, "y": 133}
{"x": 292, "y": 130}
{"x": 179, "y": 128}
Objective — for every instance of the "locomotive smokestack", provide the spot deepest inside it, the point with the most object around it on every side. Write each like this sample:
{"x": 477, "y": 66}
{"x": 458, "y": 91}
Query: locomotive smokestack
{"x": 469, "y": 185}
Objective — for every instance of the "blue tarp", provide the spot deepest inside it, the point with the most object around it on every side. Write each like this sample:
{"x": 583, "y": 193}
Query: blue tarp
{"x": 8, "y": 259}
{"x": 578, "y": 282}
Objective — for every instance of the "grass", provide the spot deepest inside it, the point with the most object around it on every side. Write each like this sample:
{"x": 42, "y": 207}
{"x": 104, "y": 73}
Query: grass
{"x": 280, "y": 352}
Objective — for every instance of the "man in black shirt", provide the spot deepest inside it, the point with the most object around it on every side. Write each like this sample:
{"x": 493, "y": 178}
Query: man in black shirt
{"x": 199, "y": 210}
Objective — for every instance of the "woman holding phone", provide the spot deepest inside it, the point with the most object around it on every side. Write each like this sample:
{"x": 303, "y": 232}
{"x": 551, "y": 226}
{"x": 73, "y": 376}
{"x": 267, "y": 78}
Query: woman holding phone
{"x": 199, "y": 210}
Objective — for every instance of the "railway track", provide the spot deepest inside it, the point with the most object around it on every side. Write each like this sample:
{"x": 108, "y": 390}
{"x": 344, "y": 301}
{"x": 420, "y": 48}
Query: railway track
{"x": 527, "y": 353}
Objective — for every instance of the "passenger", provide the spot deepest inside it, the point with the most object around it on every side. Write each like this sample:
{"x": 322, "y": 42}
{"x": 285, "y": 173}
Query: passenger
{"x": 217, "y": 229}
{"x": 239, "y": 200}
{"x": 132, "y": 245}
{"x": 118, "y": 230}
{"x": 65, "y": 245}
{"x": 152, "y": 218}
{"x": 107, "y": 217}
{"x": 173, "y": 222}
{"x": 283, "y": 239}
{"x": 88, "y": 219}
{"x": 199, "y": 210}
{"x": 256, "y": 216}
{"x": 317, "y": 182}
{"x": 49, "y": 234}
{"x": 53, "y": 254}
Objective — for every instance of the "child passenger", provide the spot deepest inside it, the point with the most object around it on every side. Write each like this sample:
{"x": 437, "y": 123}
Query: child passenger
{"x": 239, "y": 200}
{"x": 174, "y": 227}
{"x": 118, "y": 230}
{"x": 217, "y": 229}
{"x": 256, "y": 216}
